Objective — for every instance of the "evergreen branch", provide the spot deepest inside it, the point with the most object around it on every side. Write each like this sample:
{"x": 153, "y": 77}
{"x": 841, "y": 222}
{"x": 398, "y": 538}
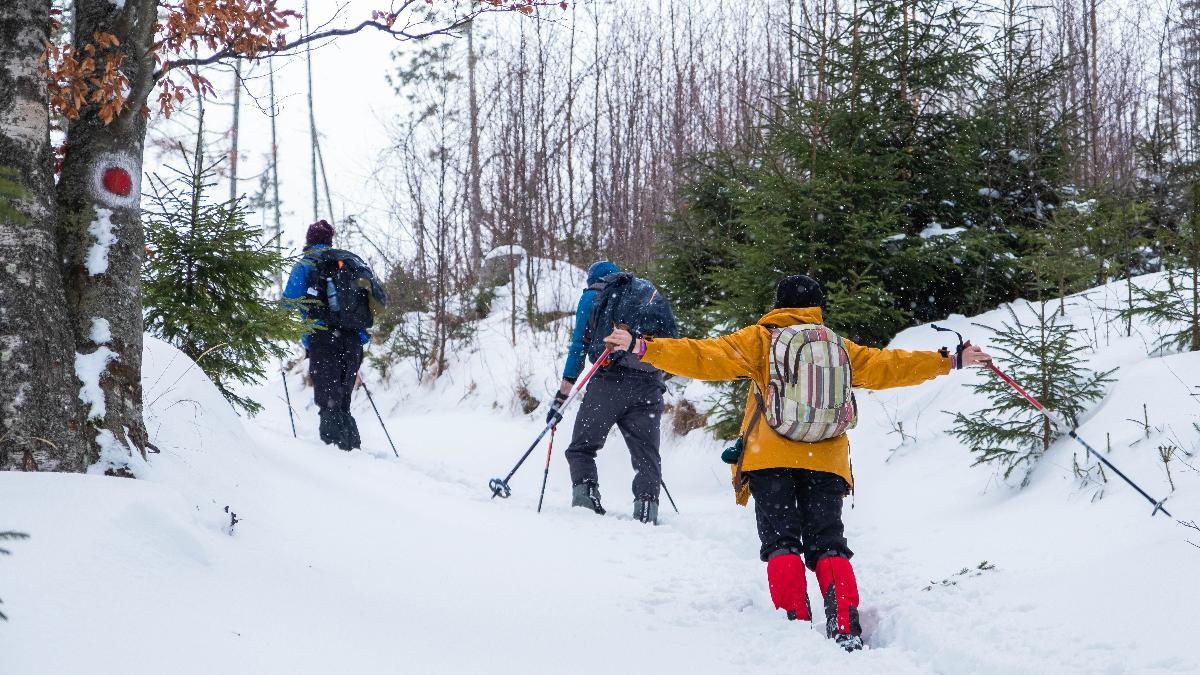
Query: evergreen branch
{"x": 11, "y": 536}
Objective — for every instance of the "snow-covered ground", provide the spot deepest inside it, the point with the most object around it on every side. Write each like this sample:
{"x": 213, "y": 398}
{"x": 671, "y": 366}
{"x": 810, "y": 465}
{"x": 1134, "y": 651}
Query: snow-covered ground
{"x": 368, "y": 563}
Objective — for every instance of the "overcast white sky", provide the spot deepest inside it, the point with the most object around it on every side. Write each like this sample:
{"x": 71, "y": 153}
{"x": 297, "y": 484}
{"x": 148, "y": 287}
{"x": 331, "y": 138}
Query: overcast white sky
{"x": 353, "y": 103}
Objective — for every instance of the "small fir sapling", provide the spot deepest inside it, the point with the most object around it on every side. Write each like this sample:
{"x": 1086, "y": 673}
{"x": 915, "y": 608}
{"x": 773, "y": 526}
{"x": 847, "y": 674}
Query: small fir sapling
{"x": 205, "y": 281}
{"x": 1166, "y": 453}
{"x": 1041, "y": 353}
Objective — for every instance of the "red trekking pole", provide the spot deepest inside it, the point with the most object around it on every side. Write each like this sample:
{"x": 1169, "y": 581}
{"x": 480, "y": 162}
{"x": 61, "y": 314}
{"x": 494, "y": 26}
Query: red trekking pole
{"x": 1062, "y": 426}
{"x": 499, "y": 486}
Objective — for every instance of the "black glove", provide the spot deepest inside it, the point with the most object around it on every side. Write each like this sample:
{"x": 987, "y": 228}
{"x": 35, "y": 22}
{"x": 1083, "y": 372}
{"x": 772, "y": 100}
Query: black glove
{"x": 958, "y": 352}
{"x": 555, "y": 416}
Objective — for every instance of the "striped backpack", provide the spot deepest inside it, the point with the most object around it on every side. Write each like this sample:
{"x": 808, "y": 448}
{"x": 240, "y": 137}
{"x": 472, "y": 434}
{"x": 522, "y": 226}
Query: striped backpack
{"x": 809, "y": 397}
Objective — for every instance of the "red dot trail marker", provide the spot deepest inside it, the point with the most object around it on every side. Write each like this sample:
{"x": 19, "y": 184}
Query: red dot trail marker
{"x": 117, "y": 181}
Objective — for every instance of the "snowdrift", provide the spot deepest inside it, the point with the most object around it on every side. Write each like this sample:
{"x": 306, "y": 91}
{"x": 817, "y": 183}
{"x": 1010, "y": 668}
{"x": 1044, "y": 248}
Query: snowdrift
{"x": 367, "y": 563}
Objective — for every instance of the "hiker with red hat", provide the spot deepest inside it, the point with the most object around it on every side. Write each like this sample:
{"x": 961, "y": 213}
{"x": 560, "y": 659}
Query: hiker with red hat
{"x": 341, "y": 297}
{"x": 793, "y": 456}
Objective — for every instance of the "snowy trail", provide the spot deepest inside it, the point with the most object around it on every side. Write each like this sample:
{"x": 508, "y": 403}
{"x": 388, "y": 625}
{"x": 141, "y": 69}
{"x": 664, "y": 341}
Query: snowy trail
{"x": 368, "y": 563}
{"x": 363, "y": 563}
{"x": 358, "y": 563}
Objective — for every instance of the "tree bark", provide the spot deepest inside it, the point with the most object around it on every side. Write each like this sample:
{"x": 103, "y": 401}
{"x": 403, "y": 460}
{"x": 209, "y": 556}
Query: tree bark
{"x": 475, "y": 215}
{"x": 100, "y": 235}
{"x": 234, "y": 152}
{"x": 41, "y": 417}
{"x": 275, "y": 206}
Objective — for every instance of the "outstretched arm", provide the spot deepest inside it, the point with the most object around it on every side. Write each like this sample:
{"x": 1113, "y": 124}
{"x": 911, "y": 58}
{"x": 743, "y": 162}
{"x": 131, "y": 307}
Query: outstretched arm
{"x": 886, "y": 368}
{"x": 729, "y": 357}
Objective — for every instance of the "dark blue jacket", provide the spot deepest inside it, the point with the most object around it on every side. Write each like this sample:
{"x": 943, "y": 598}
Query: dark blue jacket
{"x": 297, "y": 286}
{"x": 583, "y": 311}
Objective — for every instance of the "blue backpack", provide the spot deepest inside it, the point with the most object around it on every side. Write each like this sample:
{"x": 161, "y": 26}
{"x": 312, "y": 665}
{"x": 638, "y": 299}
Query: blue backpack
{"x": 624, "y": 299}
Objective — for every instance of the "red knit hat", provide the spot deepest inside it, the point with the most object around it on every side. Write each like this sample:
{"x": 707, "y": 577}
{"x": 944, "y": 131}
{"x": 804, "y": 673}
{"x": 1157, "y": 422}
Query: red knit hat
{"x": 319, "y": 232}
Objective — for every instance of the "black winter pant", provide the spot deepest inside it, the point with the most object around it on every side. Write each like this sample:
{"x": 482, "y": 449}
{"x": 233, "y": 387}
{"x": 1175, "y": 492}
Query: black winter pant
{"x": 333, "y": 360}
{"x": 633, "y": 402}
{"x": 800, "y": 511}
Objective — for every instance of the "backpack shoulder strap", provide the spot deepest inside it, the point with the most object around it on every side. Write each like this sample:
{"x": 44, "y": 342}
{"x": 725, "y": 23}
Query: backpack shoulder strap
{"x": 590, "y": 327}
{"x": 760, "y": 409}
{"x": 313, "y": 262}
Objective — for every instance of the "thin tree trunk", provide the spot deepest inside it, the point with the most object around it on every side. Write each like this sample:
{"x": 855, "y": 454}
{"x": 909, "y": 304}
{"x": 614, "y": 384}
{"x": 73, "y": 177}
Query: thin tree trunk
{"x": 41, "y": 420}
{"x": 275, "y": 175}
{"x": 1194, "y": 263}
{"x": 572, "y": 213}
{"x": 324, "y": 176}
{"x": 312, "y": 121}
{"x": 1094, "y": 92}
{"x": 475, "y": 190}
{"x": 233, "y": 131}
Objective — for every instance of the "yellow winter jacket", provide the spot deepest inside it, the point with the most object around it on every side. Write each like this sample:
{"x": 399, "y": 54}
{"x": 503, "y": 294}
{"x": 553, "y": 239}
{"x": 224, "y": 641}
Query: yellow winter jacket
{"x": 744, "y": 356}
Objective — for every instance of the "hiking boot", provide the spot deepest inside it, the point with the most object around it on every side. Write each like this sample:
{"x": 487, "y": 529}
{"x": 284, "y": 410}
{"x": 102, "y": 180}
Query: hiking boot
{"x": 330, "y": 428}
{"x": 587, "y": 495}
{"x": 645, "y": 510}
{"x": 839, "y": 590}
{"x": 850, "y": 643}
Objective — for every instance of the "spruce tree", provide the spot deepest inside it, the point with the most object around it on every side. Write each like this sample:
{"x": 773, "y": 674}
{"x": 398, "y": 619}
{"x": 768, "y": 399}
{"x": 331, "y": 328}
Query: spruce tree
{"x": 1175, "y": 308}
{"x": 205, "y": 279}
{"x": 1023, "y": 156}
{"x": 874, "y": 173}
{"x": 698, "y": 238}
{"x": 1042, "y": 354}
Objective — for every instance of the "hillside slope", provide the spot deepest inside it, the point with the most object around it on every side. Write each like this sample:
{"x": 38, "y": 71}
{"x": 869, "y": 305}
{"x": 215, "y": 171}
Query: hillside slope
{"x": 368, "y": 563}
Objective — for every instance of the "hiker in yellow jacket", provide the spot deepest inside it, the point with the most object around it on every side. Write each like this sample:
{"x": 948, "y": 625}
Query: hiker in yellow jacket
{"x": 798, "y": 485}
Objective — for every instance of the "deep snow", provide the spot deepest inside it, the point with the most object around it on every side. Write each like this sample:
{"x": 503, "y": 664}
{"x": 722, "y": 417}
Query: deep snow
{"x": 365, "y": 563}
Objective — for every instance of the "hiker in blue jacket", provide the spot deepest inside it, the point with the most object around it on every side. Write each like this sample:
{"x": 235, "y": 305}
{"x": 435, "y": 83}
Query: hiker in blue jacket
{"x": 627, "y": 394}
{"x": 334, "y": 355}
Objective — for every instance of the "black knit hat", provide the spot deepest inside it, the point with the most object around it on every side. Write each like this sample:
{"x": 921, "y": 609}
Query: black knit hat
{"x": 319, "y": 232}
{"x": 798, "y": 291}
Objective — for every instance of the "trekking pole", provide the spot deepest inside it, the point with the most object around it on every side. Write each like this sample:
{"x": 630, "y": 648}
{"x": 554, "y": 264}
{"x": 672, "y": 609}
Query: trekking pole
{"x": 370, "y": 398}
{"x": 668, "y": 493}
{"x": 499, "y": 486}
{"x": 288, "y": 396}
{"x": 1061, "y": 426}
{"x": 546, "y": 474}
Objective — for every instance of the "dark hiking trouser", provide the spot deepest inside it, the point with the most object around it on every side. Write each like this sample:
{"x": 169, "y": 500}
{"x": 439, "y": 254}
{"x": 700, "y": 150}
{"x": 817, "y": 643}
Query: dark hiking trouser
{"x": 634, "y": 403}
{"x": 333, "y": 360}
{"x": 800, "y": 511}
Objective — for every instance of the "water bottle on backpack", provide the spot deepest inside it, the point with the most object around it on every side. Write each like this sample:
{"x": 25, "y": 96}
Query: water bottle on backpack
{"x": 331, "y": 296}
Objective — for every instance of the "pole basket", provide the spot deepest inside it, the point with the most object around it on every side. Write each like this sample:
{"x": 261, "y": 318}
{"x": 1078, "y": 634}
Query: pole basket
{"x": 500, "y": 488}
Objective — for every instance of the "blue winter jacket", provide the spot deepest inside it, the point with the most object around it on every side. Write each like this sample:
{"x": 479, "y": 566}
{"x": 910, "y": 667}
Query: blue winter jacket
{"x": 575, "y": 355}
{"x": 297, "y": 286}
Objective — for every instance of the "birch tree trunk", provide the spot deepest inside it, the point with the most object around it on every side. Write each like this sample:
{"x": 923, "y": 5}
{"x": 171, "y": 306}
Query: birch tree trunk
{"x": 40, "y": 414}
{"x": 100, "y": 235}
{"x": 234, "y": 152}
